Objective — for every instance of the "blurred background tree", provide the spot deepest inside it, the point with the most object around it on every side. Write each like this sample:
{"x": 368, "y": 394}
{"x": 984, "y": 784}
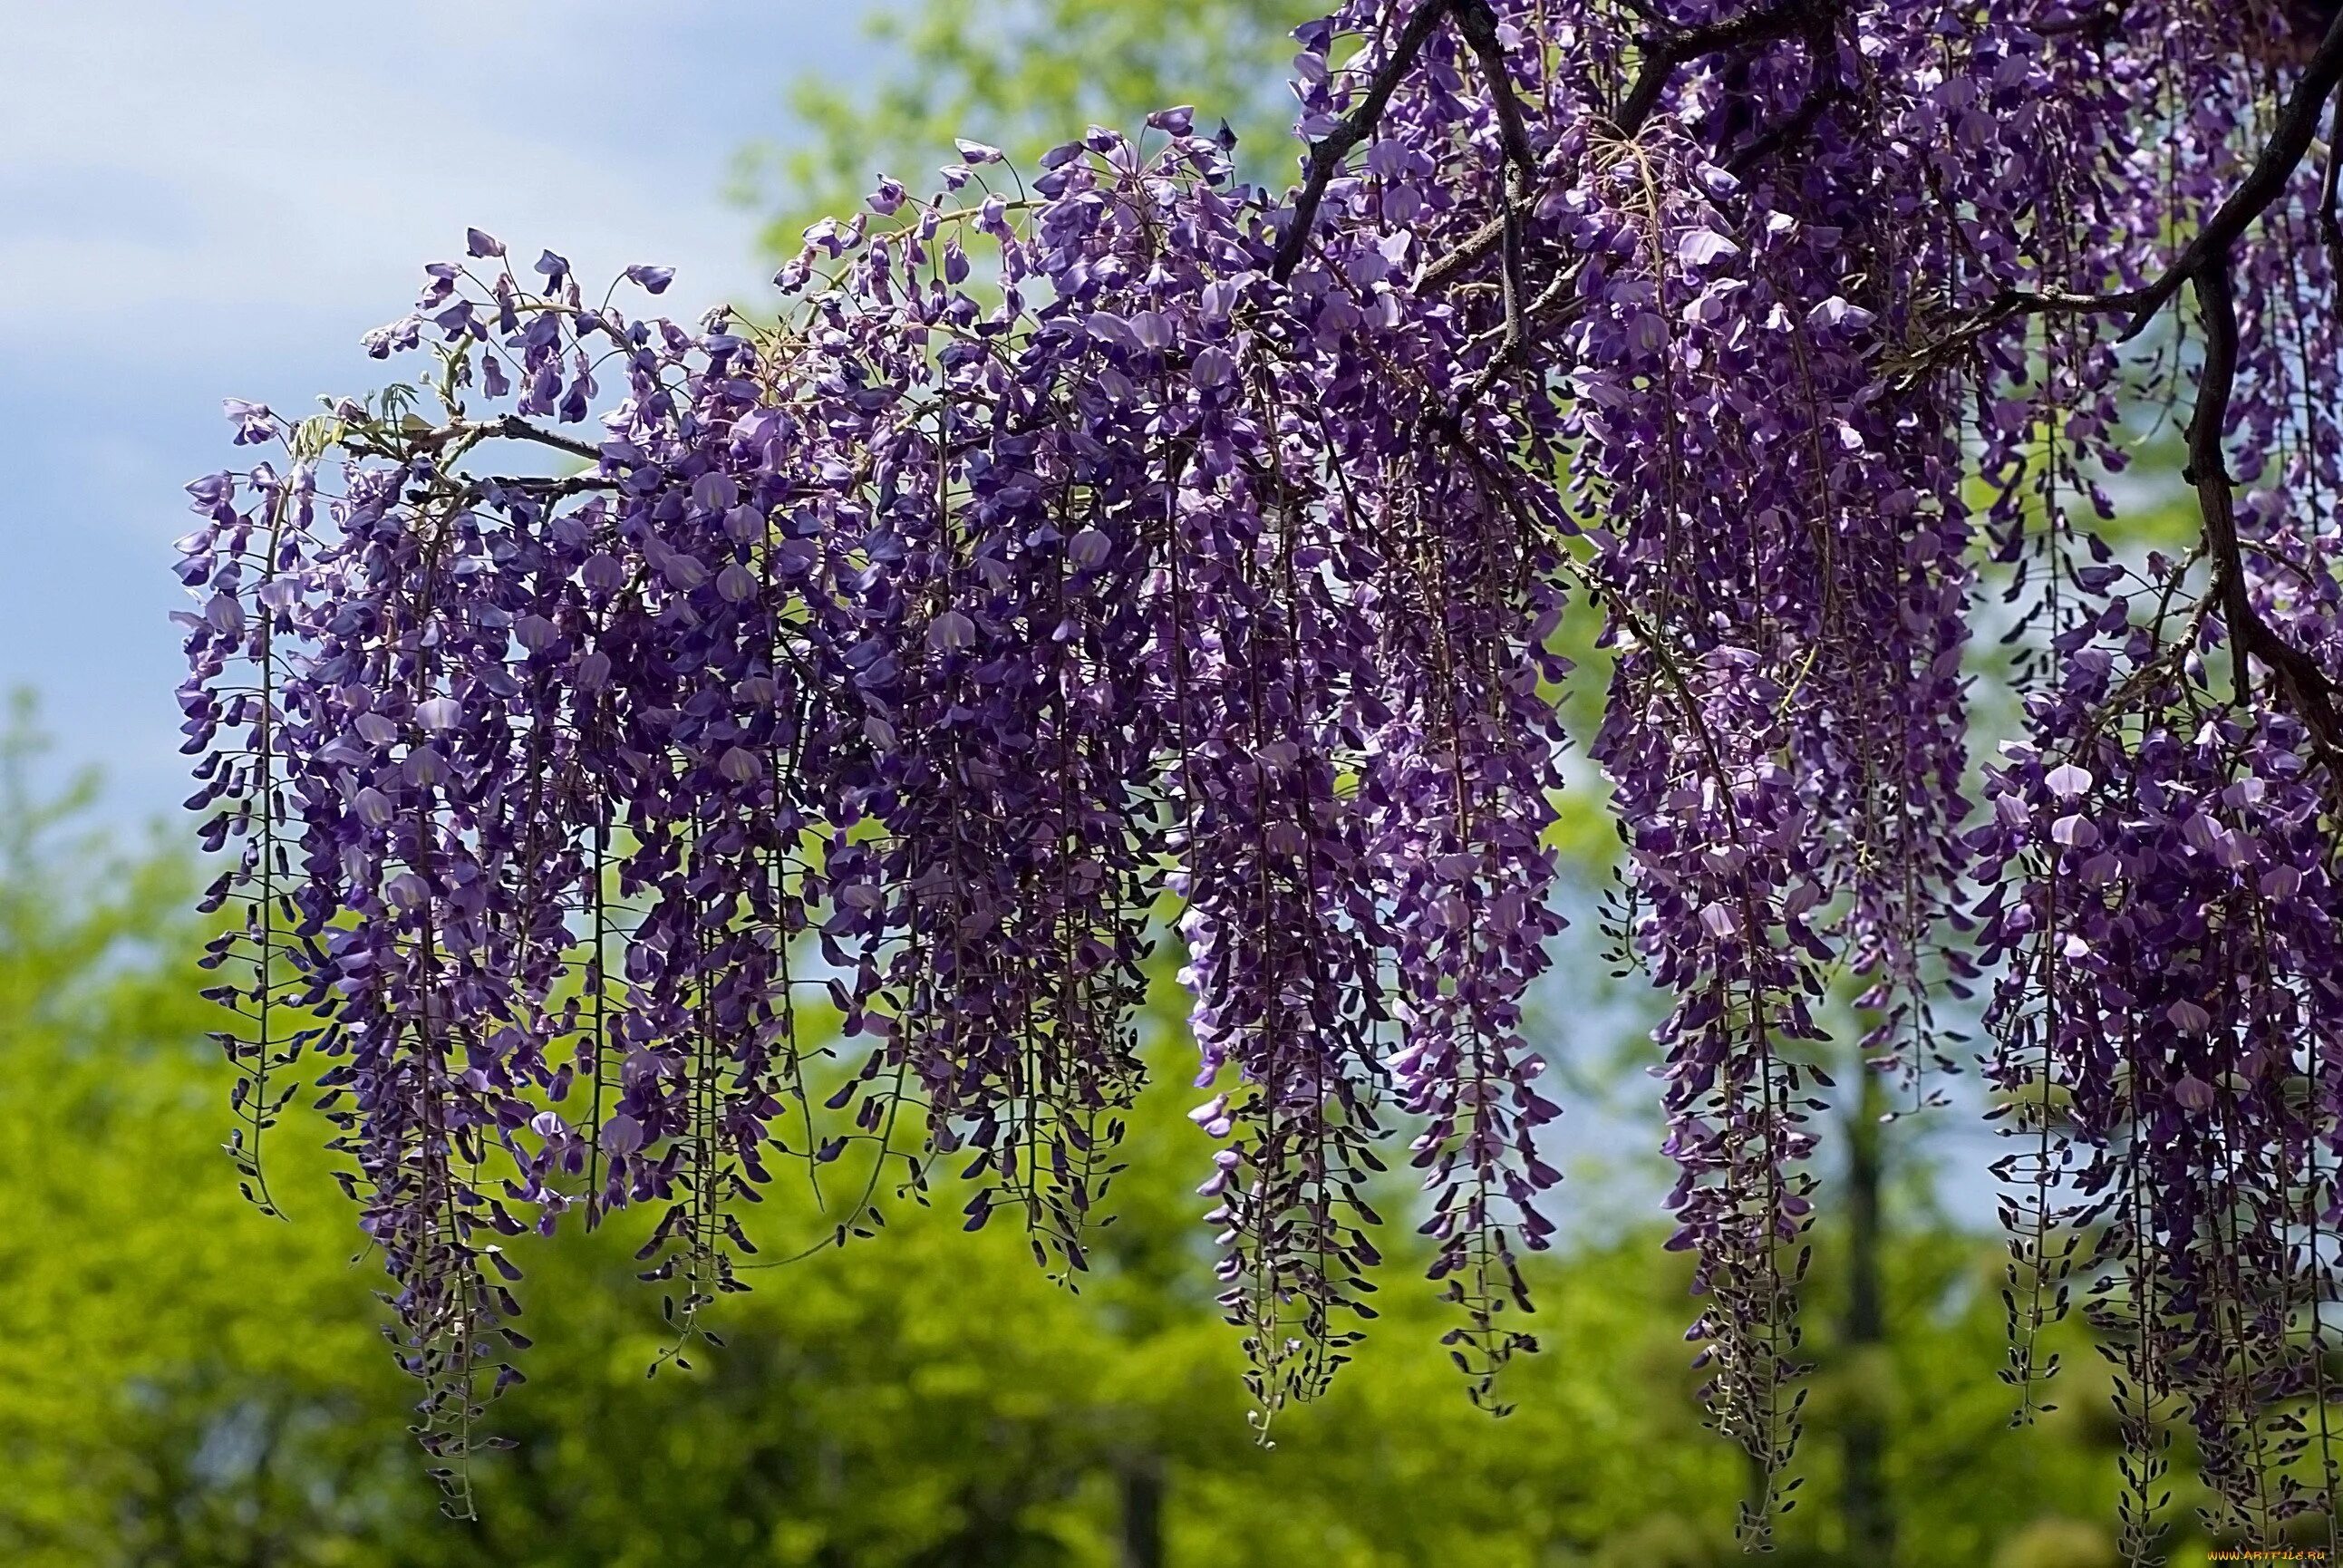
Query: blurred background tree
{"x": 184, "y": 1382}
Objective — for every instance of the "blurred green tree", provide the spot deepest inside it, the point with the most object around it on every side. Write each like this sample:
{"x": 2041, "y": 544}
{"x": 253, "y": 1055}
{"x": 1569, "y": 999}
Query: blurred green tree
{"x": 184, "y": 1382}
{"x": 181, "y": 1381}
{"x": 1023, "y": 74}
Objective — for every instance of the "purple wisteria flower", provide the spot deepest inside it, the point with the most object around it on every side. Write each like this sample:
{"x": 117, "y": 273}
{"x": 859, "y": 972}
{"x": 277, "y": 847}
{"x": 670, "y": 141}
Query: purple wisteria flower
{"x": 1150, "y": 557}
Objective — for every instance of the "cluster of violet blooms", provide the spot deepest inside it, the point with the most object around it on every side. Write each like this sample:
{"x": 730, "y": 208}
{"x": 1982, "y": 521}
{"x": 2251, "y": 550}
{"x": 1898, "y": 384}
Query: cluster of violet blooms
{"x": 814, "y": 768}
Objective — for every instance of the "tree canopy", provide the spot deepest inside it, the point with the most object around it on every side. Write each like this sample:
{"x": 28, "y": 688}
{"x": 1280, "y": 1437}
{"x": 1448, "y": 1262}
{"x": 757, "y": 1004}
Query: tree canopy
{"x": 1119, "y": 550}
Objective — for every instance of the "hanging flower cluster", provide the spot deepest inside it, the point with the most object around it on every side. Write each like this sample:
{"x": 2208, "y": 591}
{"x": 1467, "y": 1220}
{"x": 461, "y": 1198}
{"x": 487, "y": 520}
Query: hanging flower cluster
{"x": 1122, "y": 546}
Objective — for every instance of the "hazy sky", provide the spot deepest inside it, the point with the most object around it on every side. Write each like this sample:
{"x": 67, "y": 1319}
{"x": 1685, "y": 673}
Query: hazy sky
{"x": 200, "y": 200}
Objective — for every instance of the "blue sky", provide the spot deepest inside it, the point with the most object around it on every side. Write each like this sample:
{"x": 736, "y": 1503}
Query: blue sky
{"x": 200, "y": 200}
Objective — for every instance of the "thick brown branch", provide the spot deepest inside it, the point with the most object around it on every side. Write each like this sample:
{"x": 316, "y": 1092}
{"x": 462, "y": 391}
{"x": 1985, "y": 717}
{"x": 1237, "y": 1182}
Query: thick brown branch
{"x": 1478, "y": 23}
{"x": 1663, "y": 55}
{"x": 513, "y": 428}
{"x": 1327, "y": 154}
{"x": 2298, "y": 127}
{"x": 2208, "y": 469}
{"x": 2302, "y": 686}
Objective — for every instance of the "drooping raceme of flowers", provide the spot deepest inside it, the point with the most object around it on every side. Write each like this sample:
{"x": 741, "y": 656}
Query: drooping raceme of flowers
{"x": 1070, "y": 542}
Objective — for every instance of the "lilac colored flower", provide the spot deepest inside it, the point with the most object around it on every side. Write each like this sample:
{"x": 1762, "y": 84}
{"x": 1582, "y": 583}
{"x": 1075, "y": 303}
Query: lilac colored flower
{"x": 951, "y": 630}
{"x": 622, "y": 1135}
{"x": 2067, "y": 781}
{"x": 736, "y": 584}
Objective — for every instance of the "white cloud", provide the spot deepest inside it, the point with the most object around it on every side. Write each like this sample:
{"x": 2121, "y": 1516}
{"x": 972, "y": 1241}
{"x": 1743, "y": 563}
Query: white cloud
{"x": 202, "y": 197}
{"x": 302, "y": 156}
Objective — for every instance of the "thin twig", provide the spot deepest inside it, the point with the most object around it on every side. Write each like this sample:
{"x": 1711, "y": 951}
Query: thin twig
{"x": 462, "y": 432}
{"x": 1478, "y": 23}
{"x": 1819, "y": 100}
{"x": 2005, "y": 306}
{"x": 1510, "y": 344}
{"x": 2098, "y": 25}
{"x": 1475, "y": 247}
{"x": 538, "y": 489}
{"x": 513, "y": 428}
{"x": 2330, "y": 228}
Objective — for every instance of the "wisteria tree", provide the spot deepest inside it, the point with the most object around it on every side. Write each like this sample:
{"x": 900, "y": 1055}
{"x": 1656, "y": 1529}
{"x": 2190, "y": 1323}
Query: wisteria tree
{"x": 1110, "y": 554}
